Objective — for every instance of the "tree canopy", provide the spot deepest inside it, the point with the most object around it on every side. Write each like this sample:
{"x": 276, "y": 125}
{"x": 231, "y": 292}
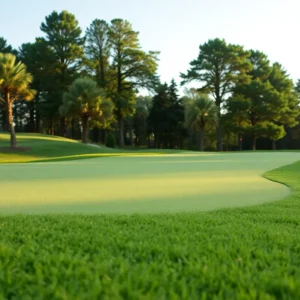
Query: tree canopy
{"x": 200, "y": 111}
{"x": 84, "y": 99}
{"x": 14, "y": 85}
{"x": 218, "y": 68}
{"x": 256, "y": 101}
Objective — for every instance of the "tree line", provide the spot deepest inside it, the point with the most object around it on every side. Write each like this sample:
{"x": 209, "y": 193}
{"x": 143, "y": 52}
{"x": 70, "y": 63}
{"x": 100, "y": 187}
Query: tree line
{"x": 87, "y": 86}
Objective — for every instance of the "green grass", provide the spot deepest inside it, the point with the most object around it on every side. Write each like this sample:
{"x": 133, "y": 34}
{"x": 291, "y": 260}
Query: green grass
{"x": 148, "y": 227}
{"x": 241, "y": 253}
{"x": 148, "y": 184}
{"x": 53, "y": 148}
{"x": 133, "y": 183}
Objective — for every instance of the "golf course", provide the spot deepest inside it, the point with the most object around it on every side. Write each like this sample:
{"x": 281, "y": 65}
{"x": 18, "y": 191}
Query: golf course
{"x": 142, "y": 182}
{"x": 85, "y": 222}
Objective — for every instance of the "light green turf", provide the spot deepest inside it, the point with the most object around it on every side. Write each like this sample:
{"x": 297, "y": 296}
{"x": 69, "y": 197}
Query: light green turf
{"x": 183, "y": 182}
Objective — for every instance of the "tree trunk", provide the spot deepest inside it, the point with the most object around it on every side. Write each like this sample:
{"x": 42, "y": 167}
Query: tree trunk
{"x": 73, "y": 128}
{"x": 202, "y": 139}
{"x": 62, "y": 126}
{"x": 51, "y": 127}
{"x": 240, "y": 142}
{"x": 104, "y": 136}
{"x": 31, "y": 117}
{"x": 273, "y": 145}
{"x": 121, "y": 132}
{"x": 13, "y": 139}
{"x": 219, "y": 131}
{"x": 102, "y": 68}
{"x": 85, "y": 129}
{"x": 37, "y": 114}
{"x": 253, "y": 143}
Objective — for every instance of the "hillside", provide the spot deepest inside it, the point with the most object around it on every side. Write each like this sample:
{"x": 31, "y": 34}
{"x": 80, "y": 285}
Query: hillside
{"x": 37, "y": 147}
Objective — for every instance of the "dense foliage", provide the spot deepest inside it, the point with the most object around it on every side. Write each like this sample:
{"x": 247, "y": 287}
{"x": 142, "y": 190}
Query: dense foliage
{"x": 257, "y": 103}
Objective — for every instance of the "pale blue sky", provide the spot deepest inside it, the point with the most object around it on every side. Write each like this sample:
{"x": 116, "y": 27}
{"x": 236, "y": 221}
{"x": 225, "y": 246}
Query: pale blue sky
{"x": 175, "y": 27}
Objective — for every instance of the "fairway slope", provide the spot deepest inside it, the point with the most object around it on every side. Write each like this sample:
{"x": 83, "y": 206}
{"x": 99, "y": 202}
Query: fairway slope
{"x": 44, "y": 148}
{"x": 41, "y": 147}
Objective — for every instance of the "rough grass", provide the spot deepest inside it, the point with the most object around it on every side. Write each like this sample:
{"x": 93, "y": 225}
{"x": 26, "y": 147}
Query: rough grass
{"x": 242, "y": 253}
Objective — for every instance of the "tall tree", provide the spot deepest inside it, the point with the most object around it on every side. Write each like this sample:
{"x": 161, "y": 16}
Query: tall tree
{"x": 32, "y": 56}
{"x": 14, "y": 85}
{"x": 236, "y": 117}
{"x": 4, "y": 48}
{"x": 200, "y": 112}
{"x": 97, "y": 50}
{"x": 219, "y": 67}
{"x": 64, "y": 58}
{"x": 281, "y": 82}
{"x": 132, "y": 69}
{"x": 267, "y": 102}
{"x": 84, "y": 99}
{"x": 158, "y": 119}
{"x": 176, "y": 116}
{"x": 140, "y": 126}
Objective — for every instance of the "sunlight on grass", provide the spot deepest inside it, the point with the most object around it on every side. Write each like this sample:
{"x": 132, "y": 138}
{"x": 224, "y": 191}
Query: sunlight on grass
{"x": 62, "y": 179}
{"x": 53, "y": 148}
{"x": 141, "y": 183}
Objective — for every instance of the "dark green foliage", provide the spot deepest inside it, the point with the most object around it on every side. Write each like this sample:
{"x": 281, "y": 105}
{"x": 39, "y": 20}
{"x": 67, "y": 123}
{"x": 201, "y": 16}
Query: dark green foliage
{"x": 166, "y": 117}
{"x": 111, "y": 141}
{"x": 61, "y": 56}
{"x": 111, "y": 54}
{"x": 245, "y": 253}
{"x": 132, "y": 68}
{"x": 200, "y": 112}
{"x": 297, "y": 88}
{"x": 218, "y": 67}
{"x": 32, "y": 55}
{"x": 86, "y": 100}
{"x": 139, "y": 120}
{"x": 178, "y": 132}
{"x": 158, "y": 121}
{"x": 5, "y": 47}
{"x": 265, "y": 104}
{"x": 97, "y": 50}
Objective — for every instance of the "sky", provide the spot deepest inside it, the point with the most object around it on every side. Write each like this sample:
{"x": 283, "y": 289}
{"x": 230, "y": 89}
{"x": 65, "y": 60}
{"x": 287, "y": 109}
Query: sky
{"x": 176, "y": 28}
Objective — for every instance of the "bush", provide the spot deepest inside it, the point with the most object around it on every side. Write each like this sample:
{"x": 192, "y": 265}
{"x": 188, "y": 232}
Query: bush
{"x": 111, "y": 141}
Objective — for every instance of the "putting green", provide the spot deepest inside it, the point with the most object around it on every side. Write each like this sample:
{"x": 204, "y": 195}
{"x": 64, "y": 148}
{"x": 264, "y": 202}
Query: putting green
{"x": 184, "y": 182}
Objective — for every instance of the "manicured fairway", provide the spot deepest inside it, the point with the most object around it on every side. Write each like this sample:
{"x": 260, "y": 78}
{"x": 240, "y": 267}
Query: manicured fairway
{"x": 166, "y": 183}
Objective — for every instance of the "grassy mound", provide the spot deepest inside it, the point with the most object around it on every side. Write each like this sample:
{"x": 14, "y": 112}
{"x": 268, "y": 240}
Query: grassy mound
{"x": 242, "y": 253}
{"x": 46, "y": 147}
{"x": 38, "y": 147}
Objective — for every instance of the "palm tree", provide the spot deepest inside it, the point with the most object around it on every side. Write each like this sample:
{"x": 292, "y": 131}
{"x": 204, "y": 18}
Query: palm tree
{"x": 86, "y": 100}
{"x": 200, "y": 111}
{"x": 14, "y": 85}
